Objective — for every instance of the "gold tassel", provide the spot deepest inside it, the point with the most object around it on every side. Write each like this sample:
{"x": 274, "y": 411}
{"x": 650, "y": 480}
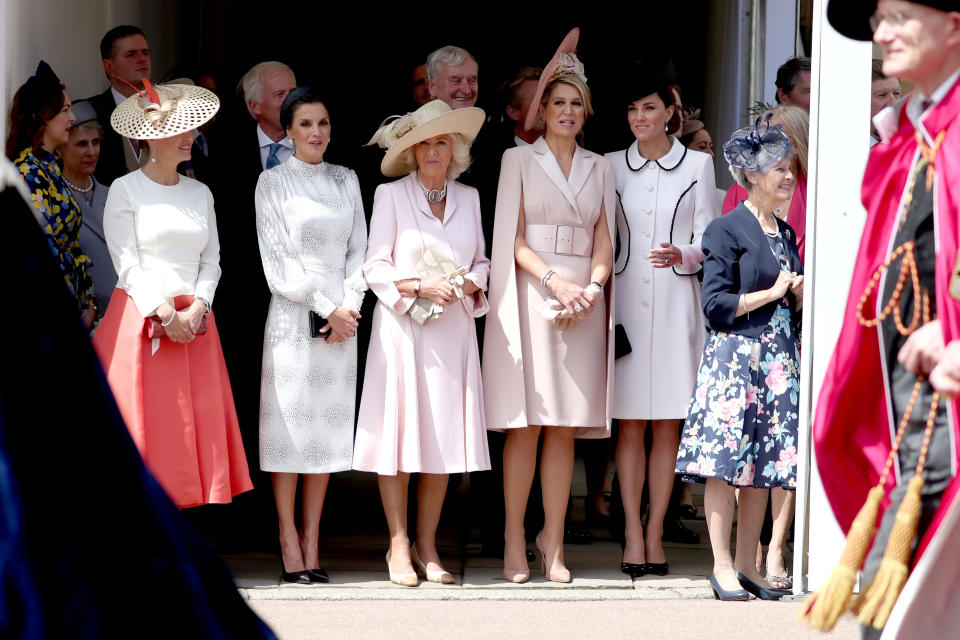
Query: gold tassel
{"x": 832, "y": 600}
{"x": 875, "y": 603}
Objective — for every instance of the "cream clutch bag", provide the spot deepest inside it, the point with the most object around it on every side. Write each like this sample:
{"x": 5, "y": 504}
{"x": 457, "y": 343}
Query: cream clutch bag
{"x": 433, "y": 265}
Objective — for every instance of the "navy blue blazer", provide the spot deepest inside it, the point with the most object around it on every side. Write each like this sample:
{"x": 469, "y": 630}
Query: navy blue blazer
{"x": 739, "y": 260}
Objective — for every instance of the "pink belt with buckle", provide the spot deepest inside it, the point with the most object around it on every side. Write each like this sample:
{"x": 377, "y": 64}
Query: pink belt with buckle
{"x": 561, "y": 239}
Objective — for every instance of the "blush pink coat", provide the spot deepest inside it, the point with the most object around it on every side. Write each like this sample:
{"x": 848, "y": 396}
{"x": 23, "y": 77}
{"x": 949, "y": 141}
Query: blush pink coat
{"x": 422, "y": 404}
{"x": 533, "y": 372}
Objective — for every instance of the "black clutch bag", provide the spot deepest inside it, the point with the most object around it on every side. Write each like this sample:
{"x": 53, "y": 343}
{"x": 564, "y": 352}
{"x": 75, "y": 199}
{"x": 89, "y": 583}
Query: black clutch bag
{"x": 621, "y": 344}
{"x": 316, "y": 323}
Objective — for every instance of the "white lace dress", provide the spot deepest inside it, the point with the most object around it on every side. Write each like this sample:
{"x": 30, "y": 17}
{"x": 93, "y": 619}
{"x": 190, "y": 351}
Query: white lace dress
{"x": 312, "y": 235}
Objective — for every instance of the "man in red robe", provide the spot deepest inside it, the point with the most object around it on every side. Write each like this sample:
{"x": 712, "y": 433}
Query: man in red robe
{"x": 911, "y": 190}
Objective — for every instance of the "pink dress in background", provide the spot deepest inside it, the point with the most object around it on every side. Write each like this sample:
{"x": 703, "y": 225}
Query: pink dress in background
{"x": 422, "y": 404}
{"x": 796, "y": 215}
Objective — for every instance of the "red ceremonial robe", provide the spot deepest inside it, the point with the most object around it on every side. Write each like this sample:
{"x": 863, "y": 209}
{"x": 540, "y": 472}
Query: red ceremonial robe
{"x": 853, "y": 427}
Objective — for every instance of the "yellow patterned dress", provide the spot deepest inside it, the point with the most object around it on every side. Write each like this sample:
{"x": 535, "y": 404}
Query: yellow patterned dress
{"x": 59, "y": 216}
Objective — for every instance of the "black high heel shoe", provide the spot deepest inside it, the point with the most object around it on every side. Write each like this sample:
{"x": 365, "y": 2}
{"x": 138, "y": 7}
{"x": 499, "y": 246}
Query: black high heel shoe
{"x": 294, "y": 577}
{"x": 317, "y": 575}
{"x": 722, "y": 594}
{"x": 657, "y": 568}
{"x": 634, "y": 570}
{"x": 761, "y": 592}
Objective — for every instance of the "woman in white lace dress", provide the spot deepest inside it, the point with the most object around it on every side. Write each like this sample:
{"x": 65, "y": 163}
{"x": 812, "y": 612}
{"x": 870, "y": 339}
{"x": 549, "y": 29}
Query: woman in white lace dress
{"x": 312, "y": 235}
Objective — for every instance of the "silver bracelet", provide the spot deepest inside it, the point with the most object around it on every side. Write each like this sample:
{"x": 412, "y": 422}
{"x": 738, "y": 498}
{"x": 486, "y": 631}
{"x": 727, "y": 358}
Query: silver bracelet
{"x": 167, "y": 323}
{"x": 205, "y": 302}
{"x": 546, "y": 276}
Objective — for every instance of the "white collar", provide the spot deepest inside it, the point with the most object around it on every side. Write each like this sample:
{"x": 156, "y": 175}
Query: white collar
{"x": 117, "y": 96}
{"x": 668, "y": 162}
{"x": 265, "y": 140}
{"x": 520, "y": 142}
{"x": 914, "y": 108}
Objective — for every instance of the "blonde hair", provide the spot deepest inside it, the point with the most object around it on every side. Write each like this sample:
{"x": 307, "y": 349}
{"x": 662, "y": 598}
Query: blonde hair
{"x": 796, "y": 124}
{"x": 458, "y": 163}
{"x": 577, "y": 83}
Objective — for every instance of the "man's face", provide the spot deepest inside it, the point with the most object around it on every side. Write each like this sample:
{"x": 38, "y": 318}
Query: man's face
{"x": 130, "y": 60}
{"x": 914, "y": 39}
{"x": 457, "y": 86}
{"x": 276, "y": 86}
{"x": 799, "y": 95}
{"x": 883, "y": 93}
{"x": 421, "y": 88}
{"x": 525, "y": 92}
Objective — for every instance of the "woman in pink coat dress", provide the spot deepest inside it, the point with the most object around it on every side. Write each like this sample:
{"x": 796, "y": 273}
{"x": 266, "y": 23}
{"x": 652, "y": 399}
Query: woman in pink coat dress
{"x": 548, "y": 341}
{"x": 421, "y": 410}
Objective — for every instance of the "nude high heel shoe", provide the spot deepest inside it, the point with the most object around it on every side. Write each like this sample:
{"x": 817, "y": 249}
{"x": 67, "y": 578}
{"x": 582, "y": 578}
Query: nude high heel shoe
{"x": 516, "y": 576}
{"x": 442, "y": 576}
{"x": 402, "y": 579}
{"x": 558, "y": 575}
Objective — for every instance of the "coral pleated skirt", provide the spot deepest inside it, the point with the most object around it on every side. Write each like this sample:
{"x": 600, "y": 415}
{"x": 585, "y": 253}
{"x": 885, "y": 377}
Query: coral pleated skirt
{"x": 177, "y": 403}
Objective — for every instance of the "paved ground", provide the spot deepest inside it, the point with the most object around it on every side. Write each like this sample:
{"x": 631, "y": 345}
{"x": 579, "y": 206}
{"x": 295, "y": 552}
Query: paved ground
{"x": 600, "y": 602}
{"x": 669, "y": 620}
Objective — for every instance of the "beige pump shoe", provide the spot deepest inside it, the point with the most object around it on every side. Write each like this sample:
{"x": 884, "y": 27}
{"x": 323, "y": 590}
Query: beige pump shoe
{"x": 402, "y": 579}
{"x": 443, "y": 576}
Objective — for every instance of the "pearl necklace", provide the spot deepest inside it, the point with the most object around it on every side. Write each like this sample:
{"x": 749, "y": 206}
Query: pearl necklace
{"x": 433, "y": 195}
{"x": 78, "y": 189}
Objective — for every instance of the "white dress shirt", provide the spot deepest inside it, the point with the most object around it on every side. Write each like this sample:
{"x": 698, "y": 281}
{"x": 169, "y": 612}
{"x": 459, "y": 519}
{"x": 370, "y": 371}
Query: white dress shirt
{"x": 282, "y": 154}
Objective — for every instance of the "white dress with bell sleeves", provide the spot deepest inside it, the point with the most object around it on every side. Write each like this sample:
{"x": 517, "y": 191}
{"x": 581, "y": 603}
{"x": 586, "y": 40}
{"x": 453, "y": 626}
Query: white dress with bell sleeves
{"x": 422, "y": 404}
{"x": 672, "y": 199}
{"x": 312, "y": 235}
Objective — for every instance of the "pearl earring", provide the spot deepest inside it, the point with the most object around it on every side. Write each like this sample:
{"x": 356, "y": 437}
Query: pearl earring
{"x": 153, "y": 157}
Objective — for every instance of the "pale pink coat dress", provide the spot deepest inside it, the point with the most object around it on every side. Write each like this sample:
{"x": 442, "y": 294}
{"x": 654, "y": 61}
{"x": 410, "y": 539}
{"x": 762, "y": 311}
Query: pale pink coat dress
{"x": 422, "y": 404}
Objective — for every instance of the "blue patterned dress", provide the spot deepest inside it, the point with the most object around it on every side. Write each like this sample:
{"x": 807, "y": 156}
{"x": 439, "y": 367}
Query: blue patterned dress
{"x": 742, "y": 422}
{"x": 59, "y": 215}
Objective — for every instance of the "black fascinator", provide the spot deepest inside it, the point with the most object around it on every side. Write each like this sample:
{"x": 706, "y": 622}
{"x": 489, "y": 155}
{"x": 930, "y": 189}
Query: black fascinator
{"x": 756, "y": 146}
{"x": 38, "y": 87}
{"x": 651, "y": 74}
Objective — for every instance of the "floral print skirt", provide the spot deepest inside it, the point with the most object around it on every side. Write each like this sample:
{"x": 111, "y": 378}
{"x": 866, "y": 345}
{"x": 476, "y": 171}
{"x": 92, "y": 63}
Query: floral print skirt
{"x": 742, "y": 423}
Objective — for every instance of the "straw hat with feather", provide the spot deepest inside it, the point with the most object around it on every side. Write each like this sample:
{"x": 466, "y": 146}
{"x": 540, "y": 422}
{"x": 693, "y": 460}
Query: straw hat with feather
{"x": 435, "y": 118}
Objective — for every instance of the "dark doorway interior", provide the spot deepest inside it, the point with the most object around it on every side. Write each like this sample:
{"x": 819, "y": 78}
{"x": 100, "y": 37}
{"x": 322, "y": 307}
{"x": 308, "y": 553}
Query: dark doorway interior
{"x": 362, "y": 60}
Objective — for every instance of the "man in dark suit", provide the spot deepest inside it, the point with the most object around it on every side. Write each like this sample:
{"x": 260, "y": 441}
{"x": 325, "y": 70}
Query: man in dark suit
{"x": 243, "y": 151}
{"x": 126, "y": 61}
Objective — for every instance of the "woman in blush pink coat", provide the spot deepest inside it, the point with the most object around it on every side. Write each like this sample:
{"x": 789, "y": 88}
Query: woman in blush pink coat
{"x": 421, "y": 410}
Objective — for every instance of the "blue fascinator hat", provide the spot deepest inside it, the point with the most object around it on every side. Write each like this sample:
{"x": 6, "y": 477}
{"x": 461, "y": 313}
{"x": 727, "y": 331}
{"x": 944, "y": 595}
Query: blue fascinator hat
{"x": 756, "y": 146}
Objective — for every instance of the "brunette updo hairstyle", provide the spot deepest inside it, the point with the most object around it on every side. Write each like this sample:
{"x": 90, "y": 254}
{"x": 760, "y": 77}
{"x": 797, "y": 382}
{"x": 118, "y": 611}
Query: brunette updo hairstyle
{"x": 642, "y": 79}
{"x": 294, "y": 100}
{"x": 27, "y": 124}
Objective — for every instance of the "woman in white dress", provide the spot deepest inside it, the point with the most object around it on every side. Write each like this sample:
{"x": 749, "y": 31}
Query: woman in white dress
{"x": 312, "y": 235}
{"x": 667, "y": 198}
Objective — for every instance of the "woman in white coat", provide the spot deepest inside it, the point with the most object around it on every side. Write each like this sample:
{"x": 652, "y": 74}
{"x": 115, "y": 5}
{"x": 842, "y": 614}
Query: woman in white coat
{"x": 666, "y": 198}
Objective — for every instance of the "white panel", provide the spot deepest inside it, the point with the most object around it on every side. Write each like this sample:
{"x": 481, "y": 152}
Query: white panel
{"x": 780, "y": 36}
{"x": 838, "y": 153}
{"x": 65, "y": 34}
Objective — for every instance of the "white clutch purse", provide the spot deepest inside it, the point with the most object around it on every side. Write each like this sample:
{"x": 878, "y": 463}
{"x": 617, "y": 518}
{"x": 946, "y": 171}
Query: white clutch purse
{"x": 432, "y": 265}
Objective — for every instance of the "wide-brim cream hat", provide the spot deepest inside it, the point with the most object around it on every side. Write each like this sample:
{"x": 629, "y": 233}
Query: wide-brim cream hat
{"x": 563, "y": 62}
{"x": 435, "y": 118}
{"x": 164, "y": 111}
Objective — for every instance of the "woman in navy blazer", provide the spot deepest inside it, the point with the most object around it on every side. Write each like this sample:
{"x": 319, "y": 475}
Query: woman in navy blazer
{"x": 739, "y": 262}
{"x": 741, "y": 427}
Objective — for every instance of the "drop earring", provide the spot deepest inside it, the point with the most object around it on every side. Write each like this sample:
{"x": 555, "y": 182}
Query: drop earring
{"x": 153, "y": 157}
